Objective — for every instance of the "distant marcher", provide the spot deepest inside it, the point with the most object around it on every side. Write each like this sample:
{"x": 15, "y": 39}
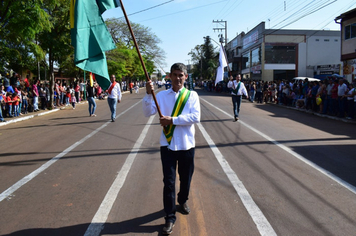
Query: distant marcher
{"x": 114, "y": 96}
{"x": 238, "y": 89}
{"x": 91, "y": 100}
{"x": 131, "y": 85}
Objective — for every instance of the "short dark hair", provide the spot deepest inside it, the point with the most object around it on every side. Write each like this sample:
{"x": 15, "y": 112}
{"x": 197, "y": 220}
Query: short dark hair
{"x": 179, "y": 66}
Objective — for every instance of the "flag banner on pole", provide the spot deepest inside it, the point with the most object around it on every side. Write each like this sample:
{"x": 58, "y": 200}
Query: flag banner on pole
{"x": 91, "y": 79}
{"x": 223, "y": 63}
{"x": 91, "y": 38}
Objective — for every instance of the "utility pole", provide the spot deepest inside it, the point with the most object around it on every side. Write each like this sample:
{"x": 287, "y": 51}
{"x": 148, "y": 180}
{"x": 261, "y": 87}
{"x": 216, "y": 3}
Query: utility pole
{"x": 221, "y": 29}
{"x": 188, "y": 65}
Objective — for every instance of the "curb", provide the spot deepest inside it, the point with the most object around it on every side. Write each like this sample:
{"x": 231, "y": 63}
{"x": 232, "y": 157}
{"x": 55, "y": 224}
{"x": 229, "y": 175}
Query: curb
{"x": 14, "y": 120}
{"x": 28, "y": 117}
{"x": 317, "y": 114}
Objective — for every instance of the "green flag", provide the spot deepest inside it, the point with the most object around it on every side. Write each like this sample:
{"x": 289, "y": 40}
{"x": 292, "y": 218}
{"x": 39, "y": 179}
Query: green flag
{"x": 91, "y": 38}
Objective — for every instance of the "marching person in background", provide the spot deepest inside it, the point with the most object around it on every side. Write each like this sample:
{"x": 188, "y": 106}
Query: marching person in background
{"x": 181, "y": 110}
{"x": 238, "y": 89}
{"x": 91, "y": 100}
{"x": 114, "y": 97}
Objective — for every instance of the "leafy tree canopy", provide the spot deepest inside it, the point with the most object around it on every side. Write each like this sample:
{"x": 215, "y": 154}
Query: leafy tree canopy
{"x": 147, "y": 41}
{"x": 20, "y": 22}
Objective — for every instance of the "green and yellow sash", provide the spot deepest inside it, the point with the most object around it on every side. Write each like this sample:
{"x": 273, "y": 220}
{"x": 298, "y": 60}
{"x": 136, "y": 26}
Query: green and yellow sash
{"x": 177, "y": 110}
{"x": 237, "y": 89}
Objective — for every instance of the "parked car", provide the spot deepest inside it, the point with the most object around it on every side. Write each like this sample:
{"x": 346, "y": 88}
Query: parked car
{"x": 297, "y": 79}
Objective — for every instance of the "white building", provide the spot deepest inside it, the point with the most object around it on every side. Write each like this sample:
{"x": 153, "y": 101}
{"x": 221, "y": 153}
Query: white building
{"x": 274, "y": 54}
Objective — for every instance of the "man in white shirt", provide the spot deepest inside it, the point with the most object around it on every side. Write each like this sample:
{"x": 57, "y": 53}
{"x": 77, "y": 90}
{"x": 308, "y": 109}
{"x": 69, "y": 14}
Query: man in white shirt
{"x": 177, "y": 140}
{"x": 238, "y": 89}
{"x": 114, "y": 97}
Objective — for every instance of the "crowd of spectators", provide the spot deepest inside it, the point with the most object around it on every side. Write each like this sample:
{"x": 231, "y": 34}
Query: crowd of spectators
{"x": 19, "y": 96}
{"x": 332, "y": 96}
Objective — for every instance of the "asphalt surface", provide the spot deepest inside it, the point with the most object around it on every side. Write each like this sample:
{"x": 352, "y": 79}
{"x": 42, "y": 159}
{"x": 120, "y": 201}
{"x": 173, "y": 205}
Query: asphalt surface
{"x": 277, "y": 171}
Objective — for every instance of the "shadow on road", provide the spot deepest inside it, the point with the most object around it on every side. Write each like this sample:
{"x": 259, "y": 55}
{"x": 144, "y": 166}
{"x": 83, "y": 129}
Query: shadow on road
{"x": 136, "y": 225}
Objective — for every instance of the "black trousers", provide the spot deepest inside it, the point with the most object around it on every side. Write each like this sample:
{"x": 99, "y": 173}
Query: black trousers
{"x": 185, "y": 162}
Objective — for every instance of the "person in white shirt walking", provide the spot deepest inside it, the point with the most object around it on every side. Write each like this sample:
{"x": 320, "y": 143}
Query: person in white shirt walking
{"x": 114, "y": 97}
{"x": 238, "y": 89}
{"x": 180, "y": 109}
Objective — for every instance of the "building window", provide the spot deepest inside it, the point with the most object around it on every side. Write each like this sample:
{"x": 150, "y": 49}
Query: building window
{"x": 350, "y": 31}
{"x": 256, "y": 57}
{"x": 336, "y": 40}
{"x": 275, "y": 54}
{"x": 326, "y": 40}
{"x": 317, "y": 40}
{"x": 246, "y": 60}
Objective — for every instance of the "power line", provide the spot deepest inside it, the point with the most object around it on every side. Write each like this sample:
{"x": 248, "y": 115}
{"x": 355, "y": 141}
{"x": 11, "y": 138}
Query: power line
{"x": 170, "y": 14}
{"x": 149, "y": 8}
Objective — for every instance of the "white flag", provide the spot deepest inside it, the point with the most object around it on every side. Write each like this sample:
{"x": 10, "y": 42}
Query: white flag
{"x": 223, "y": 63}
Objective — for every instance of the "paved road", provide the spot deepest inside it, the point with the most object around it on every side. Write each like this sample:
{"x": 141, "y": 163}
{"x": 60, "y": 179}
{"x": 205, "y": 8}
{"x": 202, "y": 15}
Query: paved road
{"x": 277, "y": 171}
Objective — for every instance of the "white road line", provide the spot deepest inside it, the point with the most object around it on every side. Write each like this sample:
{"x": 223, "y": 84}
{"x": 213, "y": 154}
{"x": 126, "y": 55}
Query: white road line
{"x": 263, "y": 226}
{"x": 101, "y": 215}
{"x": 33, "y": 174}
{"x": 290, "y": 151}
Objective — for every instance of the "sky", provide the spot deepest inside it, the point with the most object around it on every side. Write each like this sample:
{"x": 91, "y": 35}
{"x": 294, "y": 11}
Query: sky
{"x": 183, "y": 24}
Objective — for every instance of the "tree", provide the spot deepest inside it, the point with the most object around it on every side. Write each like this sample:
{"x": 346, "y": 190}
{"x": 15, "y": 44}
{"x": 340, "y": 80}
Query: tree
{"x": 56, "y": 41}
{"x": 20, "y": 22}
{"x": 147, "y": 41}
{"x": 205, "y": 59}
{"x": 197, "y": 60}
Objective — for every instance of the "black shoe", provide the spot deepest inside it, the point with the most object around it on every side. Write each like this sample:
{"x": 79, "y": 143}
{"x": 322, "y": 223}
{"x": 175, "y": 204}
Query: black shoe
{"x": 168, "y": 228}
{"x": 112, "y": 120}
{"x": 236, "y": 119}
{"x": 184, "y": 209}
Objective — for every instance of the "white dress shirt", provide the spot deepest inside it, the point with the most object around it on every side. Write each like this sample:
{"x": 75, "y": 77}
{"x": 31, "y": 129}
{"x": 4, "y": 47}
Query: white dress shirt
{"x": 342, "y": 90}
{"x": 115, "y": 92}
{"x": 242, "y": 90}
{"x": 183, "y": 136}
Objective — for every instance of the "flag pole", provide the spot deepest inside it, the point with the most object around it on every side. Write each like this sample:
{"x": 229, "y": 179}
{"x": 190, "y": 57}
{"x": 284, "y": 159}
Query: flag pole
{"x": 141, "y": 59}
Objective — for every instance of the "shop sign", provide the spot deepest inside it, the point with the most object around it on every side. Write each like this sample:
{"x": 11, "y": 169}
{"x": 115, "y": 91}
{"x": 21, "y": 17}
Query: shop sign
{"x": 350, "y": 67}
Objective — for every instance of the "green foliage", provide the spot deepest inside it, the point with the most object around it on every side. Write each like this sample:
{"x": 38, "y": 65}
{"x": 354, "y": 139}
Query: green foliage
{"x": 20, "y": 22}
{"x": 124, "y": 62}
{"x": 38, "y": 31}
{"x": 147, "y": 41}
{"x": 205, "y": 60}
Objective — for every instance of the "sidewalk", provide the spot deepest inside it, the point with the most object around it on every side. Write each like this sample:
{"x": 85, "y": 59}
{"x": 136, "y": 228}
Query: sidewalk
{"x": 31, "y": 115}
{"x": 353, "y": 121}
